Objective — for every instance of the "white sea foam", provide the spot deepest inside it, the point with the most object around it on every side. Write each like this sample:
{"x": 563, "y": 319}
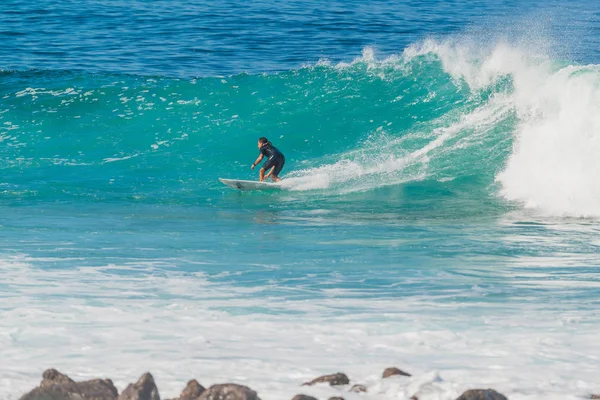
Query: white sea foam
{"x": 91, "y": 322}
{"x": 35, "y": 92}
{"x": 553, "y": 166}
{"x": 113, "y": 159}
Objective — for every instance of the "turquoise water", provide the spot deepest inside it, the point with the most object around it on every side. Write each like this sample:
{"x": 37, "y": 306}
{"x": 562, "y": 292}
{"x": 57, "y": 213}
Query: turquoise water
{"x": 438, "y": 212}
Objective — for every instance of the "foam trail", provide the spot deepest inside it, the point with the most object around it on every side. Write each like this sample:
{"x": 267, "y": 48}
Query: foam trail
{"x": 391, "y": 162}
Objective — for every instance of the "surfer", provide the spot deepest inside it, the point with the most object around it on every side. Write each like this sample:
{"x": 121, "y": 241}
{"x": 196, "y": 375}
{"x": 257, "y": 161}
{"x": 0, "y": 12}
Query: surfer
{"x": 274, "y": 163}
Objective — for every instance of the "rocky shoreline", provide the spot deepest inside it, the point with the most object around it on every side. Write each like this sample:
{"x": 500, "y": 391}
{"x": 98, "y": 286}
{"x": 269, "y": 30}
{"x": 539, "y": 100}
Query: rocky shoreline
{"x": 57, "y": 386}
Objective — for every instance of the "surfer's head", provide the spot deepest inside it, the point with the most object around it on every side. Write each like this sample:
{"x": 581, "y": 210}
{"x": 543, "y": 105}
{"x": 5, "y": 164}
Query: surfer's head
{"x": 262, "y": 141}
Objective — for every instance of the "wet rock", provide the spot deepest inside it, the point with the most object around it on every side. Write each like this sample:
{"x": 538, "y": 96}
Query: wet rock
{"x": 394, "y": 371}
{"x": 481, "y": 394}
{"x": 358, "y": 389}
{"x": 303, "y": 397}
{"x": 95, "y": 386}
{"x": 52, "y": 377}
{"x": 192, "y": 391}
{"x": 143, "y": 389}
{"x": 57, "y": 386}
{"x": 229, "y": 391}
{"x": 333, "y": 380}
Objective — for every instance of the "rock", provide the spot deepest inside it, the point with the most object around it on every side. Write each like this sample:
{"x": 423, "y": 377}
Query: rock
{"x": 358, "y": 389}
{"x": 595, "y": 396}
{"x": 480, "y": 394}
{"x": 98, "y": 385}
{"x": 52, "y": 377}
{"x": 336, "y": 398}
{"x": 393, "y": 371}
{"x": 303, "y": 397}
{"x": 57, "y": 386}
{"x": 143, "y": 389}
{"x": 333, "y": 380}
{"x": 192, "y": 391}
{"x": 229, "y": 391}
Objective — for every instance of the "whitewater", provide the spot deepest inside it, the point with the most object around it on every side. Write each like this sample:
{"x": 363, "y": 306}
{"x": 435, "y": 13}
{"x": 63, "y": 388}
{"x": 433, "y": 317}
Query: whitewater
{"x": 439, "y": 210}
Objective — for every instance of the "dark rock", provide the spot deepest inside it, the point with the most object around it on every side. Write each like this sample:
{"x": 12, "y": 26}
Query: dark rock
{"x": 52, "y": 377}
{"x": 229, "y": 391}
{"x": 358, "y": 388}
{"x": 480, "y": 394}
{"x": 192, "y": 391}
{"x": 143, "y": 389}
{"x": 336, "y": 398}
{"x": 394, "y": 371}
{"x": 303, "y": 397}
{"x": 57, "y": 386}
{"x": 97, "y": 385}
{"x": 333, "y": 380}
{"x": 595, "y": 396}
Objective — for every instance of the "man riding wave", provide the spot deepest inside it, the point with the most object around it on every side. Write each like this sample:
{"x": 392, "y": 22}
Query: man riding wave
{"x": 274, "y": 163}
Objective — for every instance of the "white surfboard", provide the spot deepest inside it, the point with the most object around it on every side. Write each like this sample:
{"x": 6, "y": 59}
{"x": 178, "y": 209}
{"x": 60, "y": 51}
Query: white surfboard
{"x": 249, "y": 185}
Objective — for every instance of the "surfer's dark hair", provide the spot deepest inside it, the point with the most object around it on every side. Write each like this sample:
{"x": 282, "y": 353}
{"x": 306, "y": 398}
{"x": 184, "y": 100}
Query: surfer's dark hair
{"x": 263, "y": 140}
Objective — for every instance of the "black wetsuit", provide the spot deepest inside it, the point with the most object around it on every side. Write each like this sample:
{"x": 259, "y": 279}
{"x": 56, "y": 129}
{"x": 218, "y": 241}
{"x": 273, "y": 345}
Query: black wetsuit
{"x": 275, "y": 158}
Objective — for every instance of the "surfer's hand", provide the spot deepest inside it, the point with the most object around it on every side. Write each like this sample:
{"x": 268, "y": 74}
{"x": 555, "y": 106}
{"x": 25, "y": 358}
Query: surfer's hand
{"x": 253, "y": 166}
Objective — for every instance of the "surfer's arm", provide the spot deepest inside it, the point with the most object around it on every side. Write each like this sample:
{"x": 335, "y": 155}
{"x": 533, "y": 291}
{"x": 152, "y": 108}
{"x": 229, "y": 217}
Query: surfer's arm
{"x": 258, "y": 160}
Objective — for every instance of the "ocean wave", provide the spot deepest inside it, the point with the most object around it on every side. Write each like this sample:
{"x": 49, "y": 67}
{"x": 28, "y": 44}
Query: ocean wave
{"x": 445, "y": 111}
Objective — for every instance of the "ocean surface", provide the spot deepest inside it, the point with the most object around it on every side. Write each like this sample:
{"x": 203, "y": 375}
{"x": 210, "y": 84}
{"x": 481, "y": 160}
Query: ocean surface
{"x": 439, "y": 211}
